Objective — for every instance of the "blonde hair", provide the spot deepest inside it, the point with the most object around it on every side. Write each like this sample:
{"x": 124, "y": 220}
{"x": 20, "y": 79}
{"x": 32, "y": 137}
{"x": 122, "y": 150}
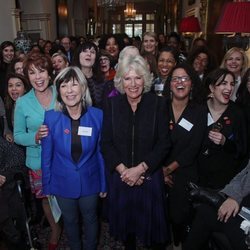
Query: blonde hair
{"x": 151, "y": 34}
{"x": 128, "y": 51}
{"x": 244, "y": 57}
{"x": 139, "y": 65}
{"x": 66, "y": 75}
{"x": 64, "y": 57}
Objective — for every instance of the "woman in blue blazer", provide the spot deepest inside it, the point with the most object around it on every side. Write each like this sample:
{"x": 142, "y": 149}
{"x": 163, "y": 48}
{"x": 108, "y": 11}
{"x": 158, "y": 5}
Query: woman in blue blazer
{"x": 72, "y": 165}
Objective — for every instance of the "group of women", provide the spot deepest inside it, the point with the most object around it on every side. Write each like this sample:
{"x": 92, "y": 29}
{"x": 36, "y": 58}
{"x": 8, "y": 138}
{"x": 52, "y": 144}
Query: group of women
{"x": 154, "y": 135}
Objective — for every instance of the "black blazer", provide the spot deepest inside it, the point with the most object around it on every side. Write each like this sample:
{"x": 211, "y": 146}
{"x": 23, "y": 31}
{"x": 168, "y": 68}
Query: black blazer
{"x": 132, "y": 137}
{"x": 187, "y": 138}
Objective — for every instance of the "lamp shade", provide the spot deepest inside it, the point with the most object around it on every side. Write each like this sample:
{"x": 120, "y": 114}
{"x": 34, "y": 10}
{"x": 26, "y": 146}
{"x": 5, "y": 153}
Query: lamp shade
{"x": 235, "y": 18}
{"x": 190, "y": 24}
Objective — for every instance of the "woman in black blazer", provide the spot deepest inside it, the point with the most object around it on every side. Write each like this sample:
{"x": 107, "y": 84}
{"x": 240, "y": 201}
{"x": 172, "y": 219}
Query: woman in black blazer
{"x": 187, "y": 126}
{"x": 135, "y": 142}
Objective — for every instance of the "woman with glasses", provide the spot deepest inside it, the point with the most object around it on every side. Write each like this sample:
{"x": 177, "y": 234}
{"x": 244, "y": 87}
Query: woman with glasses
{"x": 187, "y": 124}
{"x": 105, "y": 75}
{"x": 167, "y": 59}
{"x": 224, "y": 145}
{"x": 135, "y": 142}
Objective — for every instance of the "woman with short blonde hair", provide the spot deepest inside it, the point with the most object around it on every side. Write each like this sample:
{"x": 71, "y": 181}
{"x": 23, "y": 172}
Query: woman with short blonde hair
{"x": 137, "y": 63}
{"x": 235, "y": 60}
{"x": 150, "y": 43}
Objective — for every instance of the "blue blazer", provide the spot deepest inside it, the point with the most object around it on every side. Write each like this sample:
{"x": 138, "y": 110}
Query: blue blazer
{"x": 61, "y": 175}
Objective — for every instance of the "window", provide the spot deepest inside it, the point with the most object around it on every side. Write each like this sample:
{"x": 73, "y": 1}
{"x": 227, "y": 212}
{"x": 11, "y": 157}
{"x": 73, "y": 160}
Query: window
{"x": 116, "y": 28}
{"x": 138, "y": 29}
{"x": 142, "y": 22}
{"x": 138, "y": 17}
{"x": 133, "y": 29}
{"x": 150, "y": 27}
{"x": 129, "y": 29}
{"x": 150, "y": 17}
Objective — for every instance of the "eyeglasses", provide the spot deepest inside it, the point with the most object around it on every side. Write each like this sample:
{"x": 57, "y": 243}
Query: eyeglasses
{"x": 180, "y": 79}
{"x": 103, "y": 59}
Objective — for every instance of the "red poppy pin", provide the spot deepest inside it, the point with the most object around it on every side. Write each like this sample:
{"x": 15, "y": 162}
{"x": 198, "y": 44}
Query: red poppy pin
{"x": 227, "y": 120}
{"x": 171, "y": 125}
{"x": 66, "y": 131}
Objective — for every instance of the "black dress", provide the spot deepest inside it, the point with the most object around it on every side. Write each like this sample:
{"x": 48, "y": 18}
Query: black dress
{"x": 219, "y": 164}
{"x": 132, "y": 137}
{"x": 186, "y": 138}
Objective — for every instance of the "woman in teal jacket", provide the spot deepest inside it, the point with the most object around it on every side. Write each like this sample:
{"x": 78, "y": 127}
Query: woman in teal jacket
{"x": 28, "y": 118}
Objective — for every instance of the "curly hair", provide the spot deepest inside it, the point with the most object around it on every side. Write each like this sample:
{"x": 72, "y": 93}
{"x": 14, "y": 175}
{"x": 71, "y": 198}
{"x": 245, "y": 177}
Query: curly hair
{"x": 212, "y": 62}
{"x": 197, "y": 86}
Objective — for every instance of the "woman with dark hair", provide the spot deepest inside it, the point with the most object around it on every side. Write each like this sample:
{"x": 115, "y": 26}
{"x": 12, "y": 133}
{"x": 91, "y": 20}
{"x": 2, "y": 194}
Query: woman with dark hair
{"x": 174, "y": 41}
{"x": 112, "y": 44}
{"x": 7, "y": 53}
{"x": 104, "y": 66}
{"x": 28, "y": 128}
{"x": 225, "y": 144}
{"x": 85, "y": 59}
{"x": 187, "y": 125}
{"x": 47, "y": 47}
{"x": 166, "y": 61}
{"x": 17, "y": 86}
{"x": 16, "y": 66}
{"x": 202, "y": 60}
{"x": 105, "y": 75}
{"x": 198, "y": 42}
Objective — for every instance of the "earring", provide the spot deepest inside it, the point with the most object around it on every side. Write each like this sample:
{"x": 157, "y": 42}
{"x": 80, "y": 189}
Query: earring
{"x": 211, "y": 95}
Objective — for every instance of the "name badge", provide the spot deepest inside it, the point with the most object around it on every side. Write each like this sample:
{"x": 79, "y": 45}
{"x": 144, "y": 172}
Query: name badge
{"x": 159, "y": 87}
{"x": 84, "y": 131}
{"x": 185, "y": 124}
{"x": 210, "y": 119}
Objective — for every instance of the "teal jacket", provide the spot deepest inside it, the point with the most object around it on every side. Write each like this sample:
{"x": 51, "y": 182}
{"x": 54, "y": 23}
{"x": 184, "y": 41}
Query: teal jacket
{"x": 28, "y": 117}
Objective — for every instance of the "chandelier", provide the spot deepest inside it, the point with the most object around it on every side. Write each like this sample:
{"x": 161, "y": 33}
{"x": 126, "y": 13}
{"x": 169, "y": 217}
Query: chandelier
{"x": 130, "y": 11}
{"x": 110, "y": 3}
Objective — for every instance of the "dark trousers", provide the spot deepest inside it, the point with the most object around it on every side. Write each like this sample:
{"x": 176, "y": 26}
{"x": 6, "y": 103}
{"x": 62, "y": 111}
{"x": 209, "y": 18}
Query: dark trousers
{"x": 71, "y": 210}
{"x": 206, "y": 222}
